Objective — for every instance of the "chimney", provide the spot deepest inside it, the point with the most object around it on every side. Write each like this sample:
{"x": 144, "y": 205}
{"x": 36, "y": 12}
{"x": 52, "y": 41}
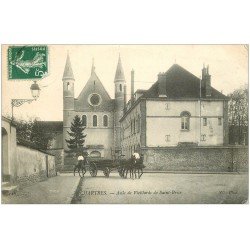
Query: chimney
{"x": 206, "y": 81}
{"x": 162, "y": 90}
{"x": 125, "y": 97}
{"x": 204, "y": 71}
{"x": 132, "y": 85}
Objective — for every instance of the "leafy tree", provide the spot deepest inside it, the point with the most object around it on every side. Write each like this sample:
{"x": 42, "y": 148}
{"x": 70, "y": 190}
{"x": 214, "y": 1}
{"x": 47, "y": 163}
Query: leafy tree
{"x": 33, "y": 133}
{"x": 23, "y": 129}
{"x": 40, "y": 135}
{"x": 77, "y": 138}
{"x": 238, "y": 115}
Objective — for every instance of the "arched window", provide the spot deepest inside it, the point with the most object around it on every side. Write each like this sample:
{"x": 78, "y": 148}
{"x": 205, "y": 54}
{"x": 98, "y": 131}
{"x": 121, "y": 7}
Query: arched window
{"x": 84, "y": 120}
{"x": 120, "y": 87}
{"x": 185, "y": 120}
{"x": 105, "y": 121}
{"x": 68, "y": 85}
{"x": 94, "y": 120}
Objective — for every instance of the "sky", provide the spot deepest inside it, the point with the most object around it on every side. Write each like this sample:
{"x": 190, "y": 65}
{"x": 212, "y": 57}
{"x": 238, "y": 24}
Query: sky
{"x": 228, "y": 66}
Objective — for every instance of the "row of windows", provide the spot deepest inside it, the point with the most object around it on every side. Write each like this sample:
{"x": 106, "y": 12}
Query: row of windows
{"x": 135, "y": 127}
{"x": 205, "y": 121}
{"x": 95, "y": 120}
{"x": 168, "y": 138}
{"x": 185, "y": 121}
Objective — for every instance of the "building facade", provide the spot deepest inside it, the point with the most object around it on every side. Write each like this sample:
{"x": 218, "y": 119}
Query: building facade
{"x": 178, "y": 110}
{"x": 100, "y": 114}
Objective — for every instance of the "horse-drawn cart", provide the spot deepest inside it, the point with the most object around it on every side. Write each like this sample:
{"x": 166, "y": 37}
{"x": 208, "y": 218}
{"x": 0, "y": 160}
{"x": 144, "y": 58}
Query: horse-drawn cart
{"x": 104, "y": 165}
{"x": 122, "y": 166}
{"x": 107, "y": 166}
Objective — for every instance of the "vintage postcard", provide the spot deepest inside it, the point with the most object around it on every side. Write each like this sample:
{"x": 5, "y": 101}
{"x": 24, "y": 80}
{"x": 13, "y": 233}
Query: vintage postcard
{"x": 124, "y": 124}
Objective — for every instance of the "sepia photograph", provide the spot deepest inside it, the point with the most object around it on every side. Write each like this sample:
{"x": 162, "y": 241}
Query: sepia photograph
{"x": 124, "y": 124}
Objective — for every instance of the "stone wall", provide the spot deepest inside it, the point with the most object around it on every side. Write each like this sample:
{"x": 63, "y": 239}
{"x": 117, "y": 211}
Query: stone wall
{"x": 59, "y": 158}
{"x": 206, "y": 159}
{"x": 33, "y": 165}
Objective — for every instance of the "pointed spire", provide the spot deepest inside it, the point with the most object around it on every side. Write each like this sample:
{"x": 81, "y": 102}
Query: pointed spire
{"x": 119, "y": 74}
{"x": 93, "y": 66}
{"x": 68, "y": 72}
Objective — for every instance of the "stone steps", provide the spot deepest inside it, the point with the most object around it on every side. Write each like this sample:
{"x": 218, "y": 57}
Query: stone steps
{"x": 5, "y": 184}
{"x": 8, "y": 189}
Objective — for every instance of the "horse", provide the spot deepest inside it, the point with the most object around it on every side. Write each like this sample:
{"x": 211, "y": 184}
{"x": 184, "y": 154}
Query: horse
{"x": 128, "y": 167}
{"x": 138, "y": 166}
{"x": 80, "y": 166}
{"x": 135, "y": 166}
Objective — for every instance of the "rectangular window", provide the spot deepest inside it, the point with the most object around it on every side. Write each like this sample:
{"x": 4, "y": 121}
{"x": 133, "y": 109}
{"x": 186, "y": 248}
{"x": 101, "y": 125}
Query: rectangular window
{"x": 204, "y": 121}
{"x": 167, "y": 138}
{"x": 185, "y": 123}
{"x": 138, "y": 124}
{"x": 203, "y": 137}
{"x": 219, "y": 121}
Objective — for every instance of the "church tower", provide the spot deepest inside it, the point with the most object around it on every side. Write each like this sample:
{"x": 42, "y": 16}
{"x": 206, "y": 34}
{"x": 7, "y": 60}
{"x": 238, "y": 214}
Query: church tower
{"x": 119, "y": 103}
{"x": 68, "y": 99}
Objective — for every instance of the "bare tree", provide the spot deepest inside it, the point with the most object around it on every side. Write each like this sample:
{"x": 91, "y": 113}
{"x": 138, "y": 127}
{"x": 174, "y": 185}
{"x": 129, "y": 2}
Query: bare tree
{"x": 238, "y": 115}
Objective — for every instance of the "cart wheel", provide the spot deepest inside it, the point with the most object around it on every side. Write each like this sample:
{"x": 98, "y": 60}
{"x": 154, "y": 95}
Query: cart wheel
{"x": 93, "y": 170}
{"x": 106, "y": 172}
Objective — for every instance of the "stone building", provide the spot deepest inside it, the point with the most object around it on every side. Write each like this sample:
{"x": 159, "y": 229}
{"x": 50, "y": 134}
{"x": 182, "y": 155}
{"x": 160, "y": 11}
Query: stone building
{"x": 100, "y": 114}
{"x": 178, "y": 110}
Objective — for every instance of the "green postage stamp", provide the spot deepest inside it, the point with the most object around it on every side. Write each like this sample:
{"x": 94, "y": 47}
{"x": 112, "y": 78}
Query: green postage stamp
{"x": 27, "y": 62}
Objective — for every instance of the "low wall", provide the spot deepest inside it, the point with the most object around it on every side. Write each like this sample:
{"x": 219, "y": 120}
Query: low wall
{"x": 59, "y": 158}
{"x": 207, "y": 159}
{"x": 33, "y": 165}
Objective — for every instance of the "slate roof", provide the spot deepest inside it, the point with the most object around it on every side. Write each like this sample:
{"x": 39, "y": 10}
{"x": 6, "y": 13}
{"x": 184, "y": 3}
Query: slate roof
{"x": 181, "y": 84}
{"x": 94, "y": 85}
{"x": 119, "y": 74}
{"x": 68, "y": 72}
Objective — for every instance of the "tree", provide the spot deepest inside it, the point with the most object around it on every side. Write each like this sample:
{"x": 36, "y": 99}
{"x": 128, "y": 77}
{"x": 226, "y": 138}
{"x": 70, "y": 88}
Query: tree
{"x": 34, "y": 133}
{"x": 238, "y": 115}
{"x": 77, "y": 138}
{"x": 23, "y": 129}
{"x": 40, "y": 135}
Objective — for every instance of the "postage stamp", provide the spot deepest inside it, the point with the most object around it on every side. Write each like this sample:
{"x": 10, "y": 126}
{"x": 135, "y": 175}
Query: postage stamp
{"x": 27, "y": 62}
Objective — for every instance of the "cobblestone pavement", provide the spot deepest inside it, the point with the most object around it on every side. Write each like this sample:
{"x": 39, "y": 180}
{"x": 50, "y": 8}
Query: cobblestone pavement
{"x": 166, "y": 188}
{"x": 55, "y": 190}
